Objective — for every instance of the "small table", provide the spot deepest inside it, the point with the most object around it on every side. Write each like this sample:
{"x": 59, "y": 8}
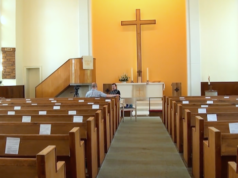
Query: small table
{"x": 129, "y": 109}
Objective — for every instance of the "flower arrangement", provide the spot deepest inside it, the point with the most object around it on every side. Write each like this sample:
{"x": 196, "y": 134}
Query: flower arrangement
{"x": 124, "y": 78}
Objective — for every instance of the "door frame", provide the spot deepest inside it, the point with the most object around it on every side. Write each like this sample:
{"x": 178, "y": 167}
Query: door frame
{"x": 25, "y": 75}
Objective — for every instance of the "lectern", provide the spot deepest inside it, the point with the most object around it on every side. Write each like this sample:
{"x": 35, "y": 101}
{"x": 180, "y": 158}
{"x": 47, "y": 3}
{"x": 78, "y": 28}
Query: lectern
{"x": 176, "y": 89}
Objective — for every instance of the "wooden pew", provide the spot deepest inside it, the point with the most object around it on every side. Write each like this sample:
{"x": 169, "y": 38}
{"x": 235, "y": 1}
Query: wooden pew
{"x": 69, "y": 149}
{"x": 233, "y": 168}
{"x": 219, "y": 149}
{"x": 100, "y": 130}
{"x": 200, "y": 133}
{"x": 108, "y": 135}
{"x": 44, "y": 165}
{"x": 189, "y": 123}
{"x": 181, "y": 119}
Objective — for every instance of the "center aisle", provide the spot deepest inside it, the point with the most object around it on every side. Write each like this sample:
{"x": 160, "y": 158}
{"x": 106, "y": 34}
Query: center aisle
{"x": 143, "y": 149}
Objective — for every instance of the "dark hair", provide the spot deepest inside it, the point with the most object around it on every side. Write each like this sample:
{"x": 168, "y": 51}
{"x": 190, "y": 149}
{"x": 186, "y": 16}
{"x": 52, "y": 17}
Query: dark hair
{"x": 114, "y": 84}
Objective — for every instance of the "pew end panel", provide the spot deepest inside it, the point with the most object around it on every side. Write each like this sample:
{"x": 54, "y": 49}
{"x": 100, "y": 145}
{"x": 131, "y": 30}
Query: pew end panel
{"x": 48, "y": 155}
{"x": 211, "y": 156}
{"x": 197, "y": 147}
{"x": 179, "y": 130}
{"x": 187, "y": 138}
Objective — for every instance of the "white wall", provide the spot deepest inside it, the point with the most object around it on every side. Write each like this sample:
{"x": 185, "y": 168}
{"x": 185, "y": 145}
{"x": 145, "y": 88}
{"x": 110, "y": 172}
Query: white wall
{"x": 7, "y": 31}
{"x": 219, "y": 39}
{"x": 49, "y": 32}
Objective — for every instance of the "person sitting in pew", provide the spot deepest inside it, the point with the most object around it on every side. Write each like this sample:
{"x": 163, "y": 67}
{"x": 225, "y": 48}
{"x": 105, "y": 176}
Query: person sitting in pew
{"x": 95, "y": 93}
{"x": 115, "y": 90}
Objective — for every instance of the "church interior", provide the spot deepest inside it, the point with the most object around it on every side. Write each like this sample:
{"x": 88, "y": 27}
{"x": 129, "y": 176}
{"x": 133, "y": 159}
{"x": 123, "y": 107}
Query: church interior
{"x": 173, "y": 61}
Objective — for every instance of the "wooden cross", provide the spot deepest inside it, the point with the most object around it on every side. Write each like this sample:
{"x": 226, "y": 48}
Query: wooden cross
{"x": 138, "y": 22}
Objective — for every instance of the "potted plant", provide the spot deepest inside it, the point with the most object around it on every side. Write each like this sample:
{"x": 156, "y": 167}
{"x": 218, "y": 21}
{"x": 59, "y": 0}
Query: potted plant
{"x": 124, "y": 78}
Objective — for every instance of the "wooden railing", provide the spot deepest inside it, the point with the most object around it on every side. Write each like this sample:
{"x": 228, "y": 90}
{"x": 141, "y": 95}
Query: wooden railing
{"x": 71, "y": 72}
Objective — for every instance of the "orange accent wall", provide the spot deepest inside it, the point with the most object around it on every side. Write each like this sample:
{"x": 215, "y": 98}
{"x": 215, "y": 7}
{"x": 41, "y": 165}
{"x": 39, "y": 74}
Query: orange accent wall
{"x": 163, "y": 44}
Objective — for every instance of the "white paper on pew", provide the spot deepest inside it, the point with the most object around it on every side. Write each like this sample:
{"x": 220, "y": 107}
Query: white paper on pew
{"x": 11, "y": 112}
{"x": 45, "y": 129}
{"x": 207, "y": 97}
{"x": 80, "y": 101}
{"x": 4, "y": 104}
{"x": 34, "y": 104}
{"x": 53, "y": 101}
{"x": 51, "y": 98}
{"x": 108, "y": 100}
{"x": 17, "y": 107}
{"x": 78, "y": 119}
{"x": 202, "y": 110}
{"x": 95, "y": 106}
{"x": 97, "y": 98}
{"x": 236, "y": 98}
{"x": 90, "y": 103}
{"x": 211, "y": 117}
{"x": 26, "y": 118}
{"x": 56, "y": 107}
{"x": 226, "y": 96}
{"x": 72, "y": 112}
{"x": 42, "y": 112}
{"x": 57, "y": 103}
{"x": 28, "y": 101}
{"x": 70, "y": 98}
{"x": 185, "y": 102}
{"x": 236, "y": 105}
{"x": 209, "y": 102}
{"x": 204, "y": 106}
{"x": 8, "y": 99}
{"x": 233, "y": 127}
{"x": 181, "y": 98}
{"x": 12, "y": 145}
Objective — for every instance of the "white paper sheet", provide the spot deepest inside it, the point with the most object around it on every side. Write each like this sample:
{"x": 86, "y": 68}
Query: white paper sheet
{"x": 204, "y": 106}
{"x": 71, "y": 112}
{"x": 185, "y": 102}
{"x": 108, "y": 100}
{"x": 11, "y": 113}
{"x": 12, "y": 145}
{"x": 45, "y": 129}
{"x": 17, "y": 107}
{"x": 202, "y": 110}
{"x": 207, "y": 97}
{"x": 28, "y": 101}
{"x": 181, "y": 98}
{"x": 26, "y": 118}
{"x": 90, "y": 103}
{"x": 209, "y": 102}
{"x": 42, "y": 112}
{"x": 70, "y": 98}
{"x": 236, "y": 105}
{"x": 34, "y": 104}
{"x": 81, "y": 101}
{"x": 8, "y": 99}
{"x": 56, "y": 107}
{"x": 4, "y": 104}
{"x": 97, "y": 98}
{"x": 233, "y": 127}
{"x": 95, "y": 106}
{"x": 53, "y": 101}
{"x": 57, "y": 103}
{"x": 51, "y": 98}
{"x": 226, "y": 96}
{"x": 78, "y": 119}
{"x": 211, "y": 117}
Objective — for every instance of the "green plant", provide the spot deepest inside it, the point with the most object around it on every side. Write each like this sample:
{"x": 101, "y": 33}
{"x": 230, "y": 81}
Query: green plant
{"x": 124, "y": 77}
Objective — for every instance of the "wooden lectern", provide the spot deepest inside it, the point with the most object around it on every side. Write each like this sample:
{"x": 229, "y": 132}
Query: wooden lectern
{"x": 176, "y": 89}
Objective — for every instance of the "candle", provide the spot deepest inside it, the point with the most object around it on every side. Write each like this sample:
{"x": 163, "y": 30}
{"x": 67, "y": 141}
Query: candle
{"x": 209, "y": 80}
{"x": 147, "y": 74}
{"x": 131, "y": 74}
